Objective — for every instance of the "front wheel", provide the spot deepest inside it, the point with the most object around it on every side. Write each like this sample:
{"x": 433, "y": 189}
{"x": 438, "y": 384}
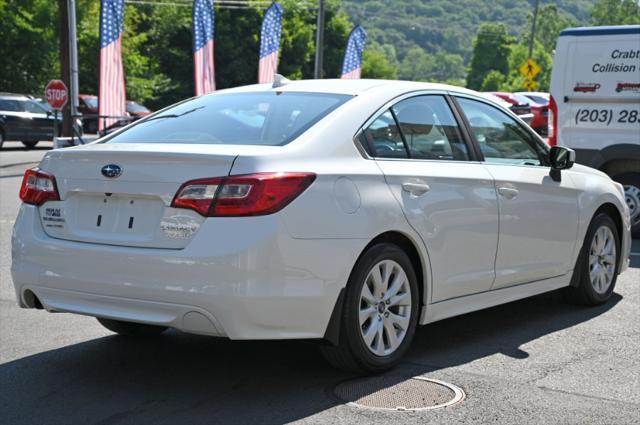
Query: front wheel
{"x": 131, "y": 328}
{"x": 595, "y": 273}
{"x": 380, "y": 312}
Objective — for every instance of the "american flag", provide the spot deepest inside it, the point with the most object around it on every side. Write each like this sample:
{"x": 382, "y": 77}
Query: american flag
{"x": 203, "y": 30}
{"x": 352, "y": 64}
{"x": 270, "y": 43}
{"x": 112, "y": 98}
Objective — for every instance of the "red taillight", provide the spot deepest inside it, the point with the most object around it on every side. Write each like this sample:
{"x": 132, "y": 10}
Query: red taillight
{"x": 245, "y": 195}
{"x": 38, "y": 187}
{"x": 552, "y": 123}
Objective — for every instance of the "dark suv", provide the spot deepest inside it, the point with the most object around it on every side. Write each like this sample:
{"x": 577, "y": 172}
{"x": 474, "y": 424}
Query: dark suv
{"x": 25, "y": 120}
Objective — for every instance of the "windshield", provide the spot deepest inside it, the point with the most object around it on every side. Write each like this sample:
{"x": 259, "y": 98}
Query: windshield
{"x": 523, "y": 99}
{"x": 33, "y": 107}
{"x": 538, "y": 99}
{"x": 136, "y": 107}
{"x": 92, "y": 102}
{"x": 255, "y": 118}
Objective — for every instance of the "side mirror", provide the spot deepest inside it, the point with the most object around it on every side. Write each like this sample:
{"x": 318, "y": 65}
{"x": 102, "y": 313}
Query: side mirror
{"x": 560, "y": 158}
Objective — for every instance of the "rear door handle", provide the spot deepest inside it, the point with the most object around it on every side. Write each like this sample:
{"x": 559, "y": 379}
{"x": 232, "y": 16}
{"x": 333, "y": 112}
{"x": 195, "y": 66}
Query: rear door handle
{"x": 415, "y": 189}
{"x": 508, "y": 192}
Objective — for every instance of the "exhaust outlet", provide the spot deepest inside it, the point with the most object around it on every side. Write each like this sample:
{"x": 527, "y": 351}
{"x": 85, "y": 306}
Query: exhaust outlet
{"x": 31, "y": 300}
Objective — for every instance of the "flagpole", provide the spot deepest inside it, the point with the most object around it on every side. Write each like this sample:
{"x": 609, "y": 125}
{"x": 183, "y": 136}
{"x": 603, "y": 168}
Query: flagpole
{"x": 317, "y": 72}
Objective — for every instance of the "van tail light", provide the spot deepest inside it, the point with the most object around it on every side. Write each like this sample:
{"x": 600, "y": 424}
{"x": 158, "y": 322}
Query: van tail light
{"x": 243, "y": 195}
{"x": 552, "y": 122}
{"x": 38, "y": 187}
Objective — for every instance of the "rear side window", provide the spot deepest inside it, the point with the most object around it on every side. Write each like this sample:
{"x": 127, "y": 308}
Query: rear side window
{"x": 256, "y": 118}
{"x": 421, "y": 127}
{"x": 382, "y": 138}
{"x": 429, "y": 128}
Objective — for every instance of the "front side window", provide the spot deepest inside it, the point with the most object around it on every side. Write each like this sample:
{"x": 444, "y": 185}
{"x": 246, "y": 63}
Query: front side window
{"x": 254, "y": 118}
{"x": 429, "y": 129}
{"x": 501, "y": 139}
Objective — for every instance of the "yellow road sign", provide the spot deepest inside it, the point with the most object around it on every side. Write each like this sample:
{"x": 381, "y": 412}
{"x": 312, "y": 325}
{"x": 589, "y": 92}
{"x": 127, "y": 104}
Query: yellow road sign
{"x": 530, "y": 85}
{"x": 530, "y": 68}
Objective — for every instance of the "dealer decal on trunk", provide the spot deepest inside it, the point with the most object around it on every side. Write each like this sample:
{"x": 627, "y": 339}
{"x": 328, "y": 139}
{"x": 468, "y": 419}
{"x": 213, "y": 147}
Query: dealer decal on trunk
{"x": 53, "y": 217}
{"x": 179, "y": 227}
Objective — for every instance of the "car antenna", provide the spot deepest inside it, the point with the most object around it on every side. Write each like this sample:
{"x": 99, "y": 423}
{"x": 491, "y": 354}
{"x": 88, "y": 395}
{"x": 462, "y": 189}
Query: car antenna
{"x": 279, "y": 81}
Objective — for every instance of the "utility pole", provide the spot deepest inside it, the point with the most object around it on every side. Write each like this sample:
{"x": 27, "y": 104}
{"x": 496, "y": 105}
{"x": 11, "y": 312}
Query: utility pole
{"x": 317, "y": 72}
{"x": 533, "y": 29}
{"x": 63, "y": 15}
{"x": 73, "y": 58}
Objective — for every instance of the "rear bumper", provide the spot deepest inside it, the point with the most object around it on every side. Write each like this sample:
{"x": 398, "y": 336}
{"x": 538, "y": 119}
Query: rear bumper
{"x": 241, "y": 278}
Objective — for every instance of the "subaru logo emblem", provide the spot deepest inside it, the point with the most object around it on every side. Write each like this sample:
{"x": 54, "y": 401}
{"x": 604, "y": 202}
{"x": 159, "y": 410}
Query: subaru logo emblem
{"x": 112, "y": 171}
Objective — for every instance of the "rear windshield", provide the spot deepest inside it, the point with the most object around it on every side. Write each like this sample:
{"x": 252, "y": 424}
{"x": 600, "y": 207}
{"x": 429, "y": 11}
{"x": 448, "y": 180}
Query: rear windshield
{"x": 256, "y": 118}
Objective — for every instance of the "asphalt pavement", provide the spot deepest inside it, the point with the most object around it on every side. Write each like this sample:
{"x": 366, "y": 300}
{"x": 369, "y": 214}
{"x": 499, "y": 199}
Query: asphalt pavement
{"x": 533, "y": 361}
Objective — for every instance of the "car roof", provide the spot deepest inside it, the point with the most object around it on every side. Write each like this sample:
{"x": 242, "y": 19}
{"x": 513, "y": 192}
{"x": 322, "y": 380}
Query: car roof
{"x": 14, "y": 96}
{"x": 348, "y": 87}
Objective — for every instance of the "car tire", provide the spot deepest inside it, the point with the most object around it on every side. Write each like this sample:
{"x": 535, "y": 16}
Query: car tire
{"x": 631, "y": 183}
{"x": 1, "y": 138}
{"x": 595, "y": 273}
{"x": 131, "y": 328}
{"x": 30, "y": 144}
{"x": 393, "y": 325}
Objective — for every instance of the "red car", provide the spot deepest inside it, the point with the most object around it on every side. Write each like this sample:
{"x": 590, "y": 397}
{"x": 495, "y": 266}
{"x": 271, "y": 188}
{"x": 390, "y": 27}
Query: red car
{"x": 540, "y": 112}
{"x": 88, "y": 105}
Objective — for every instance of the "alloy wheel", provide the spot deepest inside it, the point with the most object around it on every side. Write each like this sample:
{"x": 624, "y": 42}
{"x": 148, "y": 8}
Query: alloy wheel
{"x": 602, "y": 259}
{"x": 632, "y": 197}
{"x": 385, "y": 308}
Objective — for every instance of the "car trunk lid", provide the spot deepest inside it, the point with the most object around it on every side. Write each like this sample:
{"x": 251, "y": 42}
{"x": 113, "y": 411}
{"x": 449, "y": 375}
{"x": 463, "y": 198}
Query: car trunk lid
{"x": 133, "y": 208}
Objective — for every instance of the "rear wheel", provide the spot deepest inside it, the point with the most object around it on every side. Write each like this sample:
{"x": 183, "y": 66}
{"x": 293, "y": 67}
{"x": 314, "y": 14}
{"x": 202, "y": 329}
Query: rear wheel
{"x": 130, "y": 328}
{"x": 30, "y": 144}
{"x": 1, "y": 138}
{"x": 380, "y": 312}
{"x": 595, "y": 273}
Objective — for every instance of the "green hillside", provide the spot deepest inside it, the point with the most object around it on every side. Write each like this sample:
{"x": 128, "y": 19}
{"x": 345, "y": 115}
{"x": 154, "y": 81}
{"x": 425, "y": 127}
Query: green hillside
{"x": 448, "y": 26}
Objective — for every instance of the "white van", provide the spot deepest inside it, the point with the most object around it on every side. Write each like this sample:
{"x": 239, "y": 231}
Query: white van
{"x": 595, "y": 103}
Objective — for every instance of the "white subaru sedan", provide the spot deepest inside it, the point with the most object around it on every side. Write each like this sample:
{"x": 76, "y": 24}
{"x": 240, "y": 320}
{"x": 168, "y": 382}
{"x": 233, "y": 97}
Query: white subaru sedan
{"x": 343, "y": 211}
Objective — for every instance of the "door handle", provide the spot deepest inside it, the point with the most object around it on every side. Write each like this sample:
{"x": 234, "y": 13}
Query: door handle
{"x": 415, "y": 189}
{"x": 508, "y": 192}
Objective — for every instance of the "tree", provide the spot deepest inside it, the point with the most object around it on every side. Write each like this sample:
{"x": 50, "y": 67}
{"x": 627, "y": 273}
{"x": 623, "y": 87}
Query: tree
{"x": 518, "y": 54}
{"x": 615, "y": 12}
{"x": 490, "y": 52}
{"x": 29, "y": 45}
{"x": 493, "y": 81}
{"x": 417, "y": 65}
{"x": 375, "y": 64}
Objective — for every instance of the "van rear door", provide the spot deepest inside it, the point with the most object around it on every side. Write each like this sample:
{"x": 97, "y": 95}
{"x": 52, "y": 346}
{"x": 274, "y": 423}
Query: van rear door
{"x": 596, "y": 89}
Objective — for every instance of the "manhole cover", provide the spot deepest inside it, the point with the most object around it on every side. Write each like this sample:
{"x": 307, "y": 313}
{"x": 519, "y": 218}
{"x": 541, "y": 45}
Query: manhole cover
{"x": 398, "y": 393}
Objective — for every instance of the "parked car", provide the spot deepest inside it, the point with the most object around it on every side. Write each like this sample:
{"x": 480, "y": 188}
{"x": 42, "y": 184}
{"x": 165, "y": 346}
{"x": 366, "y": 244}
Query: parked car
{"x": 89, "y": 106}
{"x": 347, "y": 211}
{"x": 538, "y": 97}
{"x": 540, "y": 112}
{"x": 25, "y": 120}
{"x": 527, "y": 118}
{"x": 595, "y": 103}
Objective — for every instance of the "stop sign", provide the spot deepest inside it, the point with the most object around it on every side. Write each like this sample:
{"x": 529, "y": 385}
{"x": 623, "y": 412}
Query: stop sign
{"x": 56, "y": 94}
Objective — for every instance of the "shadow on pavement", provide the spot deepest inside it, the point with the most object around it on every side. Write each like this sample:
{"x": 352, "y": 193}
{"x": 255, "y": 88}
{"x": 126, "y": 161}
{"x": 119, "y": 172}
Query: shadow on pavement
{"x": 180, "y": 378}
